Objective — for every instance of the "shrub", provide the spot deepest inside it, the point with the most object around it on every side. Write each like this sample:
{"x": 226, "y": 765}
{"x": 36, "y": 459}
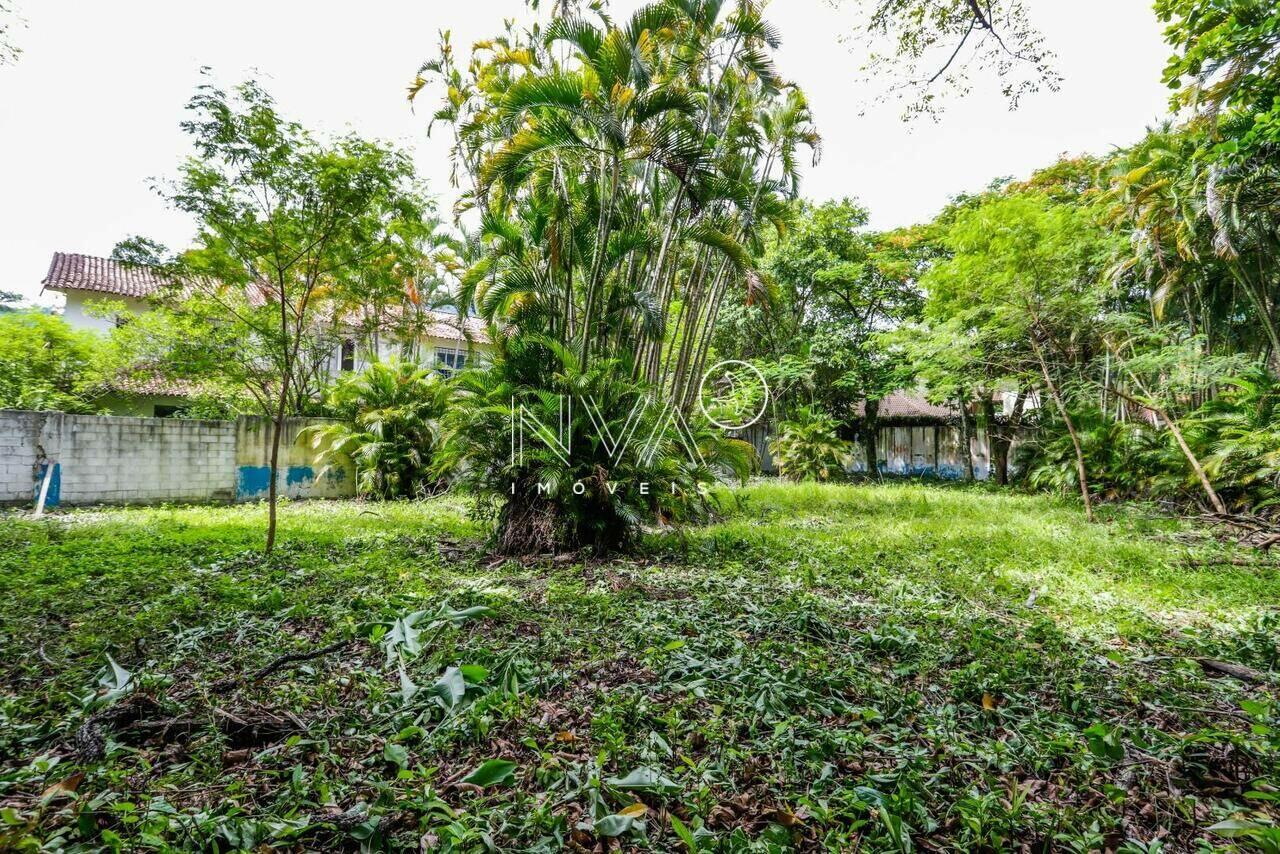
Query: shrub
{"x": 808, "y": 447}
{"x": 45, "y": 364}
{"x": 1123, "y": 459}
{"x": 1241, "y": 428}
{"x": 389, "y": 430}
{"x": 1236, "y": 435}
{"x": 591, "y": 494}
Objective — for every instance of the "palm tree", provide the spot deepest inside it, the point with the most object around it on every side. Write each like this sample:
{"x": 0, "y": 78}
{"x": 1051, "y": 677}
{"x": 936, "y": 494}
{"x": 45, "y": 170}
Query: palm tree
{"x": 389, "y": 429}
{"x": 624, "y": 175}
{"x": 1202, "y": 237}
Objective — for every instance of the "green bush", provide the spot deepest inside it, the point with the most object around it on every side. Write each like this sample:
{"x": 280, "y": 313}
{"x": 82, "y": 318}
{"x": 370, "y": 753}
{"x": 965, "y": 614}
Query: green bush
{"x": 1236, "y": 436}
{"x": 389, "y": 429}
{"x": 589, "y": 496}
{"x": 45, "y": 364}
{"x": 809, "y": 448}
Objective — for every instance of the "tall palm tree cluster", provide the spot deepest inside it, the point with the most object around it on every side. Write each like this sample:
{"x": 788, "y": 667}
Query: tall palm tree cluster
{"x": 617, "y": 180}
{"x": 623, "y": 174}
{"x": 1205, "y": 237}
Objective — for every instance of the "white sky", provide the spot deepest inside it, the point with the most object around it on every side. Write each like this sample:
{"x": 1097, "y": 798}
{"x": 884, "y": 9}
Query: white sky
{"x": 90, "y": 112}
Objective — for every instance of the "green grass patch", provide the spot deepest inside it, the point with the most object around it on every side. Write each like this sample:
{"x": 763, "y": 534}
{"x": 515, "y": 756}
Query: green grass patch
{"x": 829, "y": 667}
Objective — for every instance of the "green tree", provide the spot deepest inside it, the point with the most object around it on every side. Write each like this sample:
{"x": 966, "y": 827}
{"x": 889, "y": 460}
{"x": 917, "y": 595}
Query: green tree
{"x": 1202, "y": 248}
{"x": 598, "y": 456}
{"x": 836, "y": 288}
{"x": 1024, "y": 274}
{"x": 285, "y": 222}
{"x": 45, "y": 364}
{"x": 625, "y": 175}
{"x": 1227, "y": 65}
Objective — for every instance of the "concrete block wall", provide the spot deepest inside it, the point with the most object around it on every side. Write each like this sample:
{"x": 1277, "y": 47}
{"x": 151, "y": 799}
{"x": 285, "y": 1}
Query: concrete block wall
{"x": 115, "y": 460}
{"x": 298, "y": 476}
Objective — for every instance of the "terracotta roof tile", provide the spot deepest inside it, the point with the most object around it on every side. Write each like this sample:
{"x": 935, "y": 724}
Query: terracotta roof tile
{"x": 156, "y": 385}
{"x": 446, "y": 326}
{"x": 71, "y": 272}
{"x": 900, "y": 405}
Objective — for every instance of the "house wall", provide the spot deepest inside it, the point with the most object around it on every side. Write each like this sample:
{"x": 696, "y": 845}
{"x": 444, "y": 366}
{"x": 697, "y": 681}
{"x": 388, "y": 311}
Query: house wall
{"x": 102, "y": 459}
{"x": 137, "y": 405}
{"x": 387, "y": 350}
{"x": 932, "y": 450}
{"x": 76, "y": 311}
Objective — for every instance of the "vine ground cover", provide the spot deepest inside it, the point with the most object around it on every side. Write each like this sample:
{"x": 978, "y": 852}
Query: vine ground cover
{"x": 889, "y": 667}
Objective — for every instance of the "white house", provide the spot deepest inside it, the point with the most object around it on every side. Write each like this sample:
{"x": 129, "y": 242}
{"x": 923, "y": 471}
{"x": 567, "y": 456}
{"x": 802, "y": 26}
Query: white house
{"x": 448, "y": 341}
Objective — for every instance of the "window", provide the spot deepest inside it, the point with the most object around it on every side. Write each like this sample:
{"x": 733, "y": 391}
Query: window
{"x": 166, "y": 411}
{"x": 448, "y": 361}
{"x": 348, "y": 355}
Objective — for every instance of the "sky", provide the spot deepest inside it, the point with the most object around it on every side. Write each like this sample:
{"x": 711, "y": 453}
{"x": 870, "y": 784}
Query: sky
{"x": 89, "y": 114}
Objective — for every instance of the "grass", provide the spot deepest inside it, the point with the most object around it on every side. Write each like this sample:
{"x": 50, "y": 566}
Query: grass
{"x": 828, "y": 668}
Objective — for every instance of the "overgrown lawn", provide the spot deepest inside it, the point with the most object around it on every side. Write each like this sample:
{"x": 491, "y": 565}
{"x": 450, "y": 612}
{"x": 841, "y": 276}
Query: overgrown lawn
{"x": 890, "y": 667}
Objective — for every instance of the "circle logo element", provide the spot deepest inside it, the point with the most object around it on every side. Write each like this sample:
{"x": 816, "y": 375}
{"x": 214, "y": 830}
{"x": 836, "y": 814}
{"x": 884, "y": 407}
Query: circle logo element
{"x": 729, "y": 377}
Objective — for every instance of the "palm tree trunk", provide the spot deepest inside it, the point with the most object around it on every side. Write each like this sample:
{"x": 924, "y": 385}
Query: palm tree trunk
{"x": 1178, "y": 437}
{"x": 597, "y": 265}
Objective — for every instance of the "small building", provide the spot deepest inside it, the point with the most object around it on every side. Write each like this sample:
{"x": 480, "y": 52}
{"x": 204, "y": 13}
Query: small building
{"x": 921, "y": 439}
{"x": 916, "y": 438}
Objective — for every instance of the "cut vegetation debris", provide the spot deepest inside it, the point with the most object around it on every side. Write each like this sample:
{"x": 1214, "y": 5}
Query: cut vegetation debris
{"x": 827, "y": 668}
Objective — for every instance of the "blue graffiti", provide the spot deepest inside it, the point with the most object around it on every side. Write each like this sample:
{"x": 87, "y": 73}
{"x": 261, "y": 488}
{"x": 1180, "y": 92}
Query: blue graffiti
{"x": 252, "y": 482}
{"x": 55, "y": 484}
{"x": 299, "y": 475}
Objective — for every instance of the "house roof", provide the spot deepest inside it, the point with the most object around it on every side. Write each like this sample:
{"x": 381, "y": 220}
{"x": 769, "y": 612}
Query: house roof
{"x": 446, "y": 326}
{"x": 153, "y": 386}
{"x": 74, "y": 272}
{"x": 901, "y": 406}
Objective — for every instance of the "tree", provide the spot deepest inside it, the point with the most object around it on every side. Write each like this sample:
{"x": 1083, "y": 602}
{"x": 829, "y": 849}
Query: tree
{"x": 625, "y": 175}
{"x": 596, "y": 457}
{"x": 45, "y": 364}
{"x": 836, "y": 288}
{"x": 393, "y": 298}
{"x": 1202, "y": 246}
{"x": 937, "y": 45}
{"x": 1226, "y": 64}
{"x": 285, "y": 224}
{"x": 1224, "y": 72}
{"x": 1024, "y": 275}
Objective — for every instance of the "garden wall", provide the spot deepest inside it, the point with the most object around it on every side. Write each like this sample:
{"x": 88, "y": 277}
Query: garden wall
{"x": 102, "y": 459}
{"x": 929, "y": 450}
